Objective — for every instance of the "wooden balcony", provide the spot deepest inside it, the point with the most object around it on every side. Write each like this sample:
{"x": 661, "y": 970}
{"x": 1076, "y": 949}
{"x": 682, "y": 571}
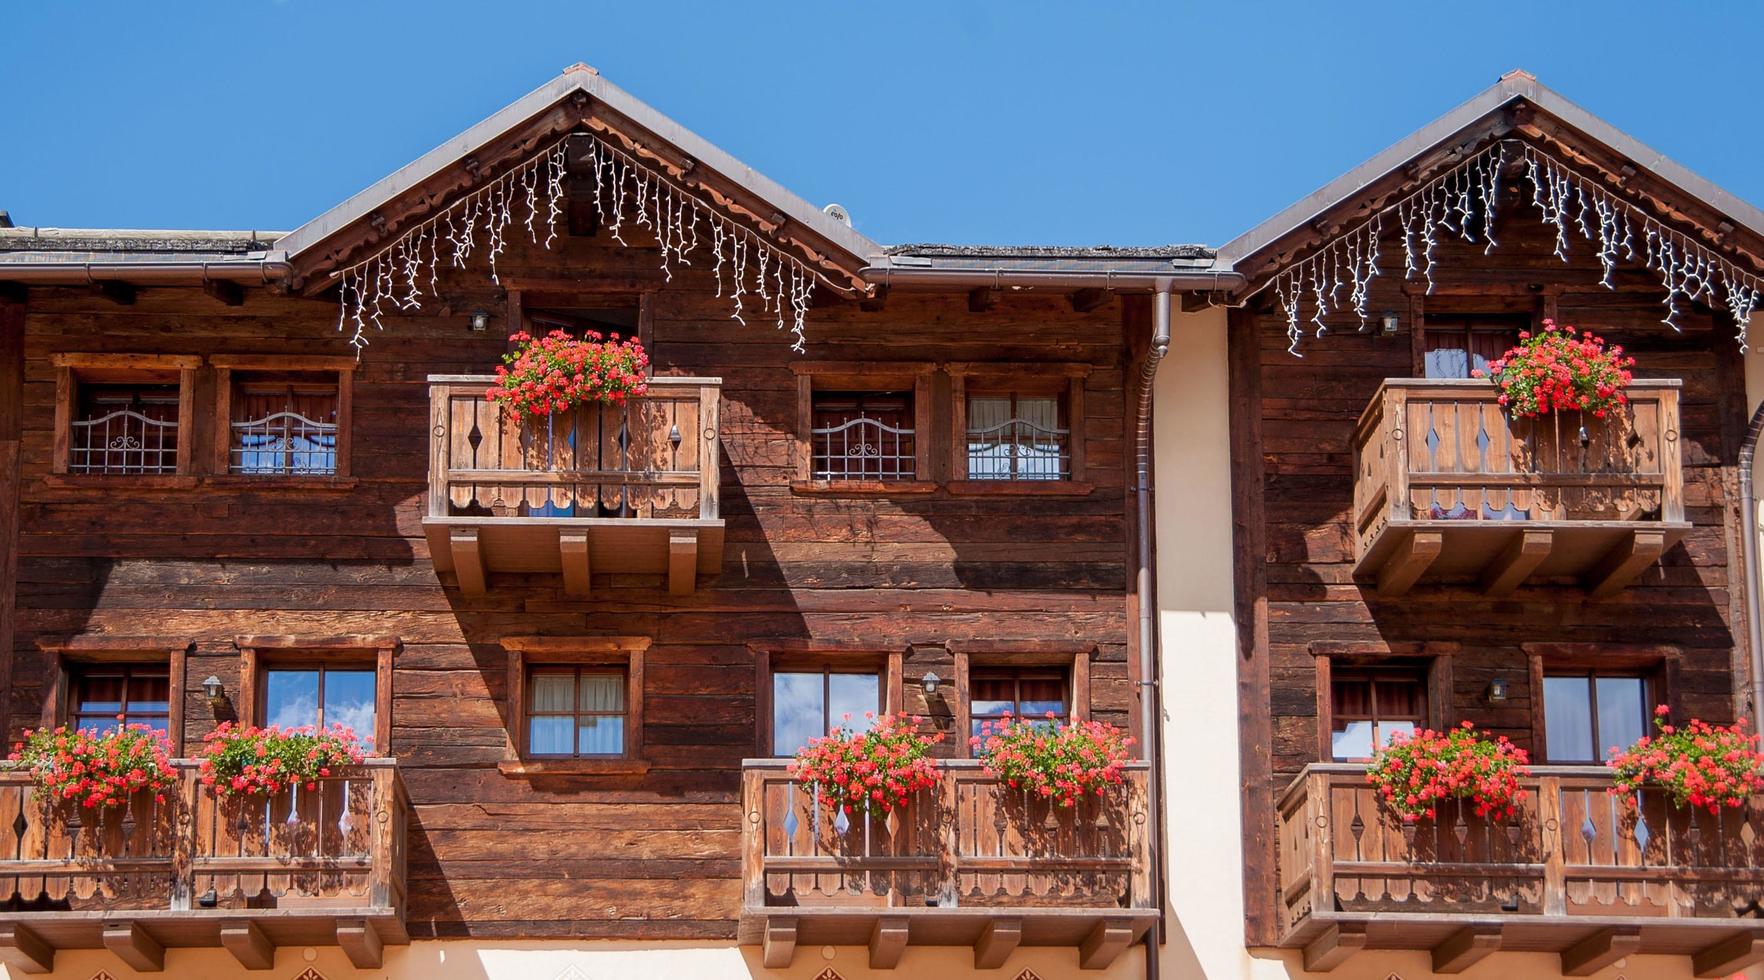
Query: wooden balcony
{"x": 604, "y": 489}
{"x": 1446, "y": 488}
{"x": 1571, "y": 873}
{"x": 324, "y": 867}
{"x": 969, "y": 863}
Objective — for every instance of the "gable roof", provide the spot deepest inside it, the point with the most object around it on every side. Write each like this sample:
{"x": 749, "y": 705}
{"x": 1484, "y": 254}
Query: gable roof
{"x": 1513, "y": 88}
{"x": 576, "y": 78}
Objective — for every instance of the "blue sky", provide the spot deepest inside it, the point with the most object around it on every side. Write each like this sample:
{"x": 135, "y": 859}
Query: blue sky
{"x": 1010, "y": 122}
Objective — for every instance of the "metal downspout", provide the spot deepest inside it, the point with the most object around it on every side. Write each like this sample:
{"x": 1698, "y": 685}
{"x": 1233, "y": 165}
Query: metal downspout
{"x": 1150, "y": 704}
{"x": 1749, "y": 550}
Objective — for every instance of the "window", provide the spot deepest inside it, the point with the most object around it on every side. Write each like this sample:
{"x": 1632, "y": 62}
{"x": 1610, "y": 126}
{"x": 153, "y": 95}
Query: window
{"x": 1015, "y": 436}
{"x": 1028, "y": 693}
{"x": 575, "y": 704}
{"x": 282, "y": 416}
{"x": 864, "y": 436}
{"x": 1586, "y": 714}
{"x": 104, "y": 697}
{"x": 1369, "y": 704}
{"x": 123, "y": 414}
{"x": 1458, "y": 345}
{"x": 806, "y": 704}
{"x": 863, "y": 428}
{"x": 576, "y": 712}
{"x": 321, "y": 697}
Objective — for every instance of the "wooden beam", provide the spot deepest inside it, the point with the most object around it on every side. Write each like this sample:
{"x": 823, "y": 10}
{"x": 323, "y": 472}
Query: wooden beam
{"x": 1729, "y": 956}
{"x": 780, "y": 942}
{"x": 1517, "y": 561}
{"x": 1413, "y": 556}
{"x": 1109, "y": 939}
{"x": 876, "y": 301}
{"x": 1086, "y": 300}
{"x": 248, "y": 944}
{"x": 682, "y": 561}
{"x": 120, "y": 293}
{"x": 131, "y": 944}
{"x": 572, "y": 544}
{"x": 1330, "y": 950}
{"x": 224, "y": 292}
{"x": 23, "y": 950}
{"x": 983, "y": 298}
{"x": 15, "y": 293}
{"x": 1599, "y": 950}
{"x": 887, "y": 941}
{"x": 468, "y": 560}
{"x": 1624, "y": 563}
{"x": 996, "y": 943}
{"x": 1465, "y": 948}
{"x": 361, "y": 943}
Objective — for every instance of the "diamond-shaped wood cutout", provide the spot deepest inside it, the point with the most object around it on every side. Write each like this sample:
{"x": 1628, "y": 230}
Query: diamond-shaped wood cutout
{"x": 310, "y": 974}
{"x": 1028, "y": 975}
{"x": 829, "y": 974}
{"x": 101, "y": 975}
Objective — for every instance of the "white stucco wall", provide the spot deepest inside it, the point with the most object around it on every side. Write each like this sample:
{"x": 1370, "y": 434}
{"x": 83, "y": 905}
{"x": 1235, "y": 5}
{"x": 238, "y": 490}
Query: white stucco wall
{"x": 1198, "y": 650}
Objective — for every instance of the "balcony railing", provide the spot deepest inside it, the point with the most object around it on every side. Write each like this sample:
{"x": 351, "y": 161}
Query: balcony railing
{"x": 324, "y": 866}
{"x": 618, "y": 489}
{"x": 1447, "y": 487}
{"x": 1571, "y": 872}
{"x": 969, "y": 861}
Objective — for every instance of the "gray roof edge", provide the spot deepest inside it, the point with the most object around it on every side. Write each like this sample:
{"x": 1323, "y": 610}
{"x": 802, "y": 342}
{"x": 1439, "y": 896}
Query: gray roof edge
{"x": 1511, "y": 87}
{"x": 360, "y": 204}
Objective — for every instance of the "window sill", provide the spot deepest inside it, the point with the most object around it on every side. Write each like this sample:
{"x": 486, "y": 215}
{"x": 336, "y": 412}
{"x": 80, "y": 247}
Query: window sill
{"x": 540, "y": 768}
{"x": 1021, "y": 488}
{"x": 119, "y": 481}
{"x": 863, "y": 488}
{"x": 243, "y": 481}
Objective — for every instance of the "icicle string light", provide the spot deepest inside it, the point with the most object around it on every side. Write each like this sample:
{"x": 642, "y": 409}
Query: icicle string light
{"x": 1464, "y": 202}
{"x": 397, "y": 277}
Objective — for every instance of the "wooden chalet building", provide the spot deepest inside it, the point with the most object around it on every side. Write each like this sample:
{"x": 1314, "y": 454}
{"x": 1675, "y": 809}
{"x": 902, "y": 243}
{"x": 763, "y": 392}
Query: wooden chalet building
{"x": 254, "y": 477}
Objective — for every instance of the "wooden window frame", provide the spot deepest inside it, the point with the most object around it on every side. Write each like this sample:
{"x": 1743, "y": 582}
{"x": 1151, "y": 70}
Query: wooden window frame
{"x": 71, "y": 368}
{"x": 576, "y": 672}
{"x": 259, "y": 653}
{"x": 858, "y": 376}
{"x": 112, "y": 650}
{"x": 1066, "y": 381}
{"x": 888, "y": 662}
{"x": 1466, "y": 324}
{"x": 220, "y": 461}
{"x": 1435, "y": 660}
{"x": 1658, "y": 666}
{"x": 626, "y": 652}
{"x": 1073, "y": 656}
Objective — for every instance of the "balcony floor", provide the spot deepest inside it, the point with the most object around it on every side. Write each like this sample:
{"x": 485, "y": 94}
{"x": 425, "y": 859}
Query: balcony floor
{"x": 1499, "y": 556}
{"x": 577, "y": 547}
{"x": 1100, "y": 935}
{"x": 27, "y": 939}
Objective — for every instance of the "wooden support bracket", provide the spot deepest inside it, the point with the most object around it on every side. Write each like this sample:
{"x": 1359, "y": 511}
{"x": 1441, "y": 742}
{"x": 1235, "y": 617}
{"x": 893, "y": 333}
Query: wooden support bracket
{"x": 996, "y": 943}
{"x": 23, "y": 950}
{"x": 780, "y": 942}
{"x": 1517, "y": 561}
{"x": 682, "y": 561}
{"x": 1330, "y": 950}
{"x": 131, "y": 944}
{"x": 1109, "y": 939}
{"x": 120, "y": 293}
{"x": 361, "y": 943}
{"x": 1599, "y": 950}
{"x": 1624, "y": 563}
{"x": 468, "y": 560}
{"x": 225, "y": 292}
{"x": 876, "y": 301}
{"x": 1465, "y": 948}
{"x": 1413, "y": 556}
{"x": 1729, "y": 956}
{"x": 887, "y": 941}
{"x": 248, "y": 944}
{"x": 572, "y": 547}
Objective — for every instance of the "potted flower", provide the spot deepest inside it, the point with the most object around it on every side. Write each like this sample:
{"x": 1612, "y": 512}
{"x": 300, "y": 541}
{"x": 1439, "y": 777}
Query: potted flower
{"x": 1054, "y": 761}
{"x": 98, "y": 770}
{"x": 868, "y": 772}
{"x": 1415, "y": 772}
{"x": 253, "y": 761}
{"x": 549, "y": 375}
{"x": 1559, "y": 369}
{"x": 1699, "y": 765}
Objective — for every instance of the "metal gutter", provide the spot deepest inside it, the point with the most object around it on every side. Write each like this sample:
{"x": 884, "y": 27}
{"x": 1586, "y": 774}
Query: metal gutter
{"x": 271, "y": 267}
{"x": 1749, "y": 553}
{"x": 1150, "y": 703}
{"x": 1138, "y": 279}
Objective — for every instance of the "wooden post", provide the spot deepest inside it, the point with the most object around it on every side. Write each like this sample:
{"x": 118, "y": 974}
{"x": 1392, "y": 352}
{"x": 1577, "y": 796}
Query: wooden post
{"x": 1549, "y": 814}
{"x": 185, "y": 828}
{"x": 753, "y": 837}
{"x": 380, "y": 838}
{"x": 710, "y": 418}
{"x": 439, "y": 435}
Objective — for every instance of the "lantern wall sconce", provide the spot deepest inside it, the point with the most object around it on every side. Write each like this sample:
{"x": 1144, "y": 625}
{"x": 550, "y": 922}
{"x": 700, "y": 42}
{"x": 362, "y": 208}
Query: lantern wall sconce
{"x": 216, "y": 694}
{"x": 1497, "y": 691}
{"x": 929, "y": 682}
{"x": 480, "y": 321}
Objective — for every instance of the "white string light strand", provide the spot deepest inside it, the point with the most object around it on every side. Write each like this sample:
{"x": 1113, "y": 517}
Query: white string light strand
{"x": 1464, "y": 201}
{"x": 623, "y": 188}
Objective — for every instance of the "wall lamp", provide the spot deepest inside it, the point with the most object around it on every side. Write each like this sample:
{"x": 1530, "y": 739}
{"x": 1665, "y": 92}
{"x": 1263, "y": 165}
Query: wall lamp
{"x": 1387, "y": 324}
{"x": 217, "y": 696}
{"x": 929, "y": 682}
{"x": 480, "y": 321}
{"x": 1496, "y": 692}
